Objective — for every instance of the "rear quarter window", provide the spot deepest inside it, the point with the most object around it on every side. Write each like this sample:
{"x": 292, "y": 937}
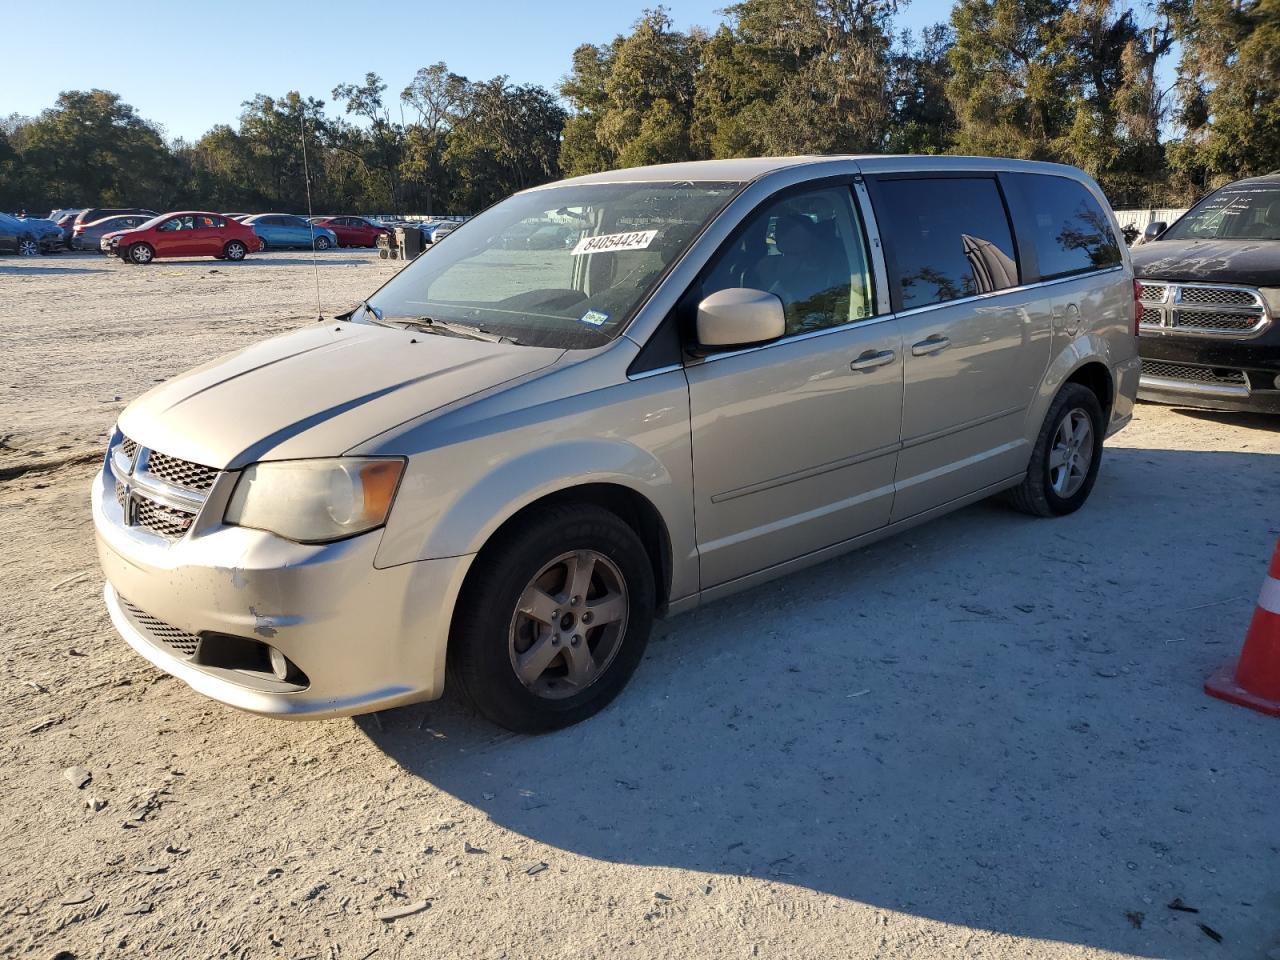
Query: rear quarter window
{"x": 1071, "y": 231}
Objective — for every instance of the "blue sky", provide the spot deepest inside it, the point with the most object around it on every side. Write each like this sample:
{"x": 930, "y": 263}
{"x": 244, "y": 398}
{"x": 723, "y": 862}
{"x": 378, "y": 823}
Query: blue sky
{"x": 189, "y": 64}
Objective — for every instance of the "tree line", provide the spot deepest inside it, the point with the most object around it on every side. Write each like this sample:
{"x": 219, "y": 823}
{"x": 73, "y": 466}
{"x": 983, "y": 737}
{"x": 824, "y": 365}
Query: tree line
{"x": 1074, "y": 81}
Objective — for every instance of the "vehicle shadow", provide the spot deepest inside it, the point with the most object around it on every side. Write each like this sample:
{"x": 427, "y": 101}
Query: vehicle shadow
{"x": 269, "y": 259}
{"x": 1254, "y": 421}
{"x": 50, "y": 269}
{"x": 991, "y": 721}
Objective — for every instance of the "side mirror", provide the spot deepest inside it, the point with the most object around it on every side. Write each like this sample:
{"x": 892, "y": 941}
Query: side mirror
{"x": 1154, "y": 229}
{"x": 740, "y": 317}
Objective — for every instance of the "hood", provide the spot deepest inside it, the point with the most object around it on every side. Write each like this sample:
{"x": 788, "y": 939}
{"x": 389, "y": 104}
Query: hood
{"x": 1255, "y": 263}
{"x": 318, "y": 392}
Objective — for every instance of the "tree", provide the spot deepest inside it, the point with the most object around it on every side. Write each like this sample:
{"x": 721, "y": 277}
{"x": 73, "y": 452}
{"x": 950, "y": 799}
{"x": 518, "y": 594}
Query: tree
{"x": 1229, "y": 92}
{"x": 797, "y": 76}
{"x": 923, "y": 120}
{"x": 92, "y": 147}
{"x": 381, "y": 151}
{"x": 438, "y": 97}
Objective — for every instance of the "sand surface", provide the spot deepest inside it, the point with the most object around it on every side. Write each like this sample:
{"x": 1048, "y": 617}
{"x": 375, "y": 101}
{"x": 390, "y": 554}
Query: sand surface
{"x": 983, "y": 738}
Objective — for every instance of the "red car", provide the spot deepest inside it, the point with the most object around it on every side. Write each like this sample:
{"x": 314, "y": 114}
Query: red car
{"x": 353, "y": 231}
{"x": 187, "y": 233}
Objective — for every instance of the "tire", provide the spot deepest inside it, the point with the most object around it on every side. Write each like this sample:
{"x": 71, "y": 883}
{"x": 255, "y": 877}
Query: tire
{"x": 262, "y": 246}
{"x": 141, "y": 254}
{"x": 322, "y": 243}
{"x": 234, "y": 251}
{"x": 28, "y": 247}
{"x": 1072, "y": 429}
{"x": 519, "y": 600}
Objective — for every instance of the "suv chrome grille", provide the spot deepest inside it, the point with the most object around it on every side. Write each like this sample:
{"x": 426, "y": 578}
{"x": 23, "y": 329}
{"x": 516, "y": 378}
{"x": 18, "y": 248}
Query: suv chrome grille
{"x": 160, "y": 493}
{"x": 181, "y": 473}
{"x": 1185, "y": 371}
{"x": 162, "y": 634}
{"x": 1216, "y": 311}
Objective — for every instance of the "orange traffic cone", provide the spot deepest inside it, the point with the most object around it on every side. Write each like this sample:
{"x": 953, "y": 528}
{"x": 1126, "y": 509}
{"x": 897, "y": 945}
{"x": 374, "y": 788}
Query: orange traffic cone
{"x": 1254, "y": 680}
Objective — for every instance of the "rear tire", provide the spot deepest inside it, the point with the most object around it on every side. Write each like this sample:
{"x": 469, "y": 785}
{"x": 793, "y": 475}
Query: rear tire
{"x": 141, "y": 254}
{"x": 234, "y": 251}
{"x": 1065, "y": 460}
{"x": 531, "y": 669}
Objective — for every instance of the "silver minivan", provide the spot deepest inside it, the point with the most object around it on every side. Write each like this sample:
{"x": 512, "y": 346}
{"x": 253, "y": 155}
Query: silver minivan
{"x": 507, "y": 461}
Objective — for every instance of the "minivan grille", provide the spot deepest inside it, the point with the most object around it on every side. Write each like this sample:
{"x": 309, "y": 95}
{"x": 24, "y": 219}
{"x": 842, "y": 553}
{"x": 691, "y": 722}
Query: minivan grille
{"x": 160, "y": 493}
{"x": 1216, "y": 311}
{"x": 163, "y": 634}
{"x": 181, "y": 473}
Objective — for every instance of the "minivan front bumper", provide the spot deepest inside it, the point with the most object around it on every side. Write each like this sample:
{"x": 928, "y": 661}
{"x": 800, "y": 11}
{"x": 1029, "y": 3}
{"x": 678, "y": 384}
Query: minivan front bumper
{"x": 359, "y": 638}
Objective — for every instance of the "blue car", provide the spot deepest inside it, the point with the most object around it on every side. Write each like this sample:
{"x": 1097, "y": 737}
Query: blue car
{"x": 28, "y": 236}
{"x": 280, "y": 230}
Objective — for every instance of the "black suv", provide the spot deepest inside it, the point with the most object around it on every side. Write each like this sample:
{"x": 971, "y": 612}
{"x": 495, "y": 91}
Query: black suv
{"x": 1209, "y": 335}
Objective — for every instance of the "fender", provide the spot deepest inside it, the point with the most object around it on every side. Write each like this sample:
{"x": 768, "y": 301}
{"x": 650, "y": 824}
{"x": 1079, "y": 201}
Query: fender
{"x": 1089, "y": 347}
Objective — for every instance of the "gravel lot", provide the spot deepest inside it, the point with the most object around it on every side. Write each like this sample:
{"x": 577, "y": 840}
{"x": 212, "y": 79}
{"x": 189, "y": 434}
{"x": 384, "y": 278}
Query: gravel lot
{"x": 984, "y": 738}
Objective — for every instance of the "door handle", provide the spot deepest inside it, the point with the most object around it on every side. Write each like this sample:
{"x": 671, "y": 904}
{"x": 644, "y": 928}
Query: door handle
{"x": 871, "y": 359}
{"x": 933, "y": 344}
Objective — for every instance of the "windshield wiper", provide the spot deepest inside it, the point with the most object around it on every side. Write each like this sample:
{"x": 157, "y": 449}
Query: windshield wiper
{"x": 446, "y": 328}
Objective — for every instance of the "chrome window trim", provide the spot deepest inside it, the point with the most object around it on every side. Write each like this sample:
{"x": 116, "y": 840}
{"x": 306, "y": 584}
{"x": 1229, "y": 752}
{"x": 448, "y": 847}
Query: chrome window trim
{"x": 880, "y": 272}
{"x": 1020, "y": 288}
{"x": 794, "y": 338}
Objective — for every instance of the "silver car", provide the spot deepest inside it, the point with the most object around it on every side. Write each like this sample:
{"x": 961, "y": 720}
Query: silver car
{"x": 506, "y": 462}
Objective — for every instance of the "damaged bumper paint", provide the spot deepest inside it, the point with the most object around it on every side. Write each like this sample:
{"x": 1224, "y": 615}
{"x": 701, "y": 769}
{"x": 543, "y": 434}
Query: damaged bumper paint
{"x": 210, "y": 607}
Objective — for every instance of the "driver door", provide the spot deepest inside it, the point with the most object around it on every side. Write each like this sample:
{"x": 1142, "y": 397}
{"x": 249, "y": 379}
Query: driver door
{"x": 795, "y": 442}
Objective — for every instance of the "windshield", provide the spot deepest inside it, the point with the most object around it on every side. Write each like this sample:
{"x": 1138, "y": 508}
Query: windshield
{"x": 1237, "y": 212}
{"x": 574, "y": 287}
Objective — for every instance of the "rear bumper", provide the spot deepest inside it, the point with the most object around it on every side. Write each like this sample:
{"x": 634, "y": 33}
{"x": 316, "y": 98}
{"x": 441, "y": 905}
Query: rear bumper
{"x": 363, "y": 639}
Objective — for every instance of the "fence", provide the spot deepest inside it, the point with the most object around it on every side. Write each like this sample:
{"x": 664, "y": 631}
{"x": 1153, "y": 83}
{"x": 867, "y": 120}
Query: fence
{"x": 1140, "y": 218}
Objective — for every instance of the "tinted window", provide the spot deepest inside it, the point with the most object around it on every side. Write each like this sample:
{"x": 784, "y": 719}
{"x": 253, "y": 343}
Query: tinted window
{"x": 808, "y": 249}
{"x": 186, "y": 222}
{"x": 1072, "y": 232}
{"x": 209, "y": 222}
{"x": 950, "y": 238}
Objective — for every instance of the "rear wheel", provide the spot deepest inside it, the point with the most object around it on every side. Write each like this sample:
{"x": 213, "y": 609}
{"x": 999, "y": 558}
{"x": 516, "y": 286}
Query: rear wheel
{"x": 234, "y": 250}
{"x": 1065, "y": 460}
{"x": 554, "y": 621}
{"x": 28, "y": 247}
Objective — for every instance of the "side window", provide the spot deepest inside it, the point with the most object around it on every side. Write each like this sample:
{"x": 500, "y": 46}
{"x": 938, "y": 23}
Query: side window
{"x": 948, "y": 238}
{"x": 1072, "y": 232}
{"x": 808, "y": 249}
{"x": 174, "y": 223}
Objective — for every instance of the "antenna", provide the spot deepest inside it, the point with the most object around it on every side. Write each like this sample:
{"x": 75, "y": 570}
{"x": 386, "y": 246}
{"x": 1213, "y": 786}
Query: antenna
{"x": 306, "y": 174}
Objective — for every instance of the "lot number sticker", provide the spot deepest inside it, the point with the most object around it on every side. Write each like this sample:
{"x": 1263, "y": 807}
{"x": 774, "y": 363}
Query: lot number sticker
{"x": 611, "y": 242}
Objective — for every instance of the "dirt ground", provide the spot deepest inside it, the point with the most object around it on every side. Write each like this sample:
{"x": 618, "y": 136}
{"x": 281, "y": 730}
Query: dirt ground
{"x": 984, "y": 738}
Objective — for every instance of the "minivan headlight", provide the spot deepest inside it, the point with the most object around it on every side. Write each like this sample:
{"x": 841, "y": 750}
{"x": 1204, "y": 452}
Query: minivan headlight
{"x": 315, "y": 501}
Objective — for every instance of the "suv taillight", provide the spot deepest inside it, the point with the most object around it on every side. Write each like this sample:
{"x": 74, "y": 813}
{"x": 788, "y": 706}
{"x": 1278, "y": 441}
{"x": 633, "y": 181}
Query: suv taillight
{"x": 1137, "y": 305}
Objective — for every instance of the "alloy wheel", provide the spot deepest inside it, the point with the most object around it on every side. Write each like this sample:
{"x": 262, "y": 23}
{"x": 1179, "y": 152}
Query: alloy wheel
{"x": 568, "y": 624}
{"x": 1072, "y": 453}
{"x": 28, "y": 247}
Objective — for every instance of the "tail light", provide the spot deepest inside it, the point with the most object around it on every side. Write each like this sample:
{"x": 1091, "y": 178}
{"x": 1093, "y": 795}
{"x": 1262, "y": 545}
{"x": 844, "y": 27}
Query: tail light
{"x": 1137, "y": 305}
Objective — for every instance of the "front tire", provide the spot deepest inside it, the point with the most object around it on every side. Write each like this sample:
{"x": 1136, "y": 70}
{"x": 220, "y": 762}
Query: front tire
{"x": 322, "y": 243}
{"x": 28, "y": 247}
{"x": 554, "y": 620}
{"x": 1065, "y": 460}
{"x": 141, "y": 254}
{"x": 234, "y": 251}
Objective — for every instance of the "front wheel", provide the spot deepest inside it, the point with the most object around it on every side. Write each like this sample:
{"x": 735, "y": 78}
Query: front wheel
{"x": 28, "y": 247}
{"x": 554, "y": 620}
{"x": 141, "y": 254}
{"x": 1065, "y": 460}
{"x": 322, "y": 243}
{"x": 234, "y": 250}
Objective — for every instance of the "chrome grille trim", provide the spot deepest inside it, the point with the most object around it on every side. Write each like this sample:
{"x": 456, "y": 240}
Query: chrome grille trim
{"x": 157, "y": 492}
{"x": 1216, "y": 310}
{"x": 160, "y": 633}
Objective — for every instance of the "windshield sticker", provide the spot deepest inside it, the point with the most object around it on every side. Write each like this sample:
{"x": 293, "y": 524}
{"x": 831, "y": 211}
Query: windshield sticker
{"x": 611, "y": 242}
{"x": 595, "y": 317}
